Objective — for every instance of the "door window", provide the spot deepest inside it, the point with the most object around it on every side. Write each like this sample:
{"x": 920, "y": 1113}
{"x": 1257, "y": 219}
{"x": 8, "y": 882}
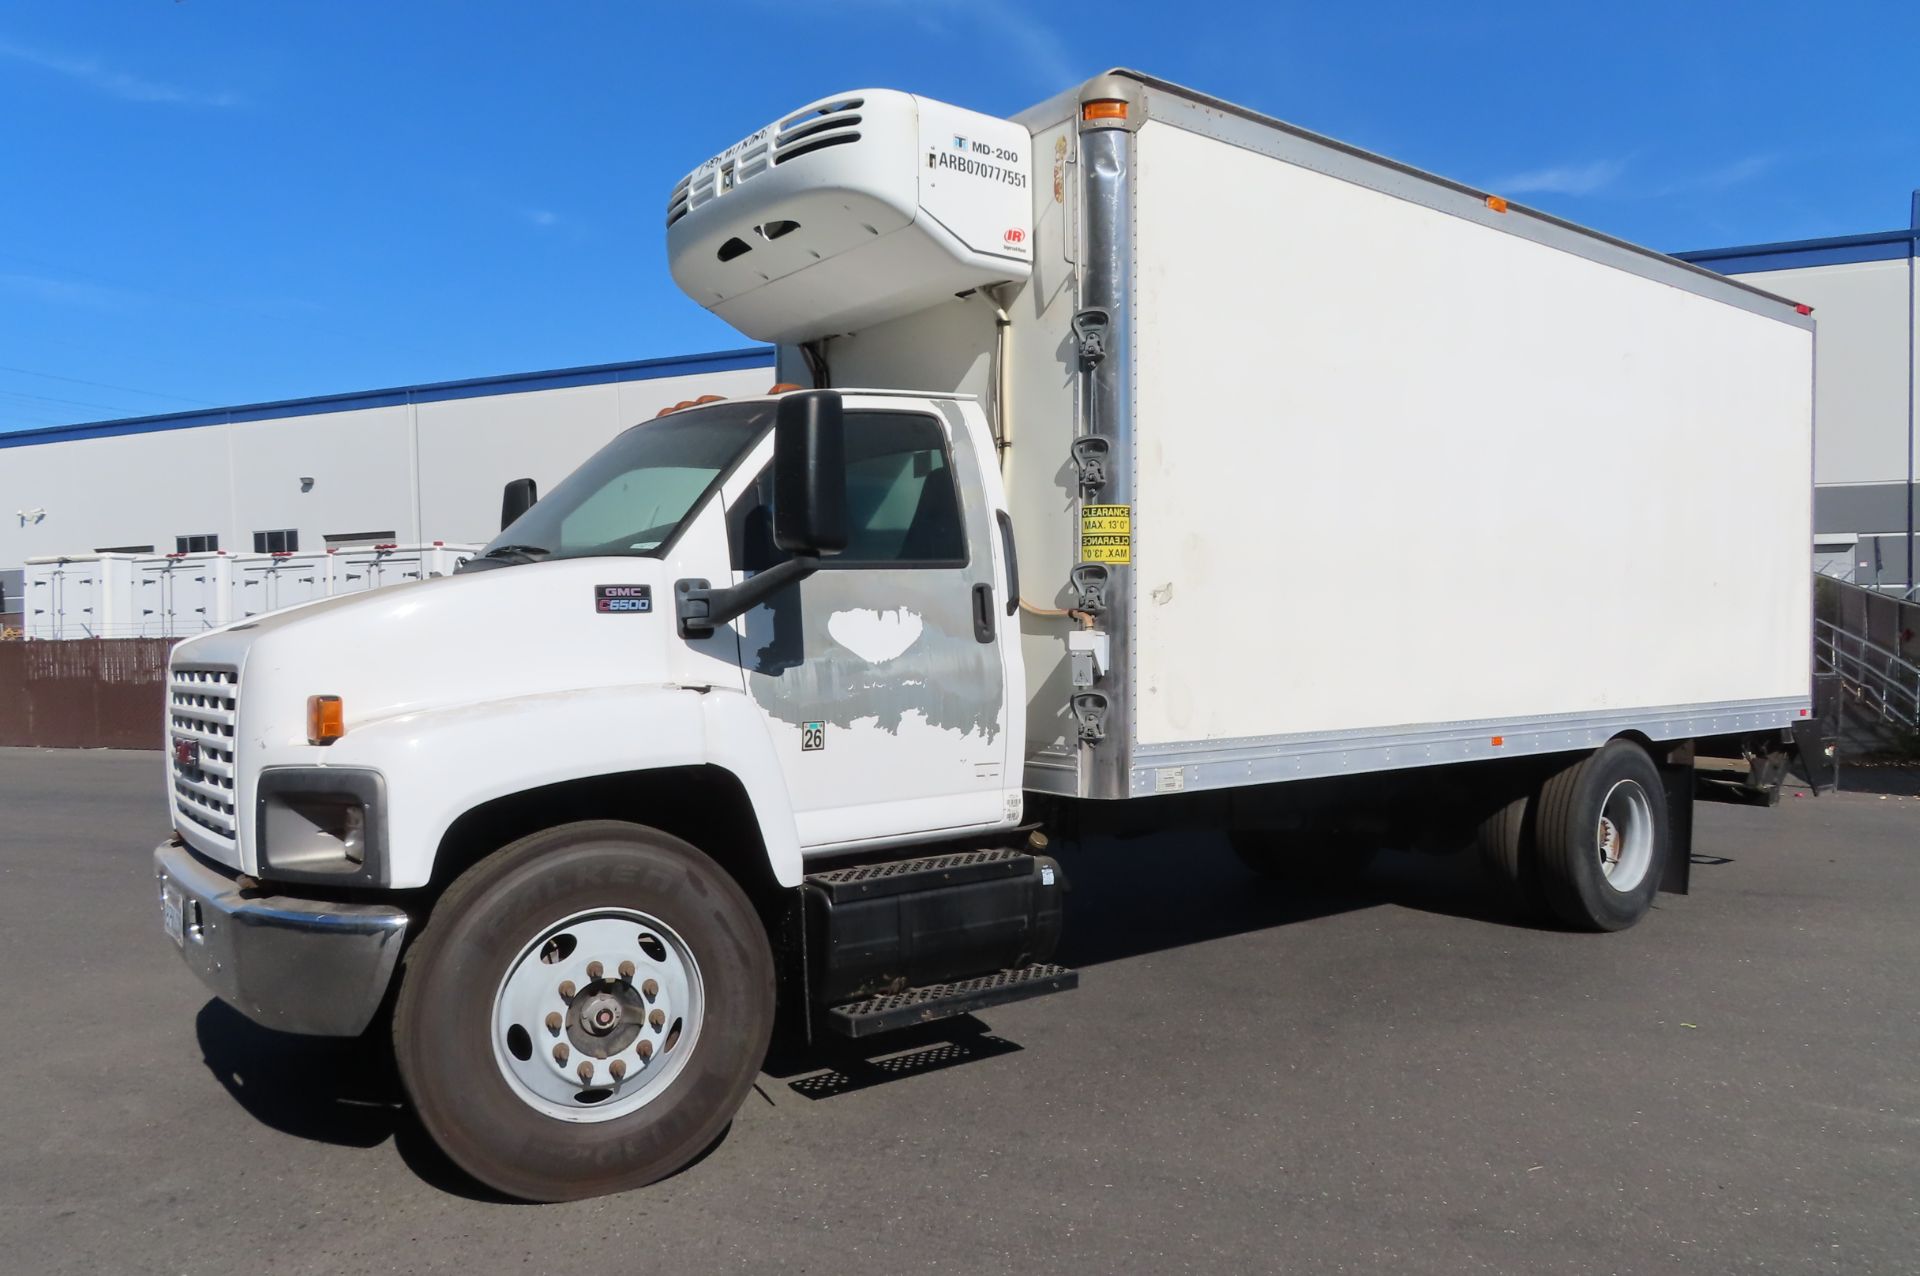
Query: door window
{"x": 903, "y": 509}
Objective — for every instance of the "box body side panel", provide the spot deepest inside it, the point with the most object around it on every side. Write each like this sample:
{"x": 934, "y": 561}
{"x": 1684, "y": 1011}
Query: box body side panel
{"x": 1398, "y": 469}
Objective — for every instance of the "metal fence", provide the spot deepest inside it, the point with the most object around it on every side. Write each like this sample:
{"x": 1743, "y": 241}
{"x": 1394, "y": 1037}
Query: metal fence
{"x": 106, "y": 693}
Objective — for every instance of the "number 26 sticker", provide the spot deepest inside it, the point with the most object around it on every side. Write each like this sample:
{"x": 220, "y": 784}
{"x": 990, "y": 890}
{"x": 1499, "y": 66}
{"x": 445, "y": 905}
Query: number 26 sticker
{"x": 813, "y": 735}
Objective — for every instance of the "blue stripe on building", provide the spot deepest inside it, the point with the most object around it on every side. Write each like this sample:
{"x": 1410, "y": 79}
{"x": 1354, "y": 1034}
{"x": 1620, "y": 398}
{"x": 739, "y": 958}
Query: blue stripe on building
{"x": 1886, "y": 245}
{"x": 436, "y": 392}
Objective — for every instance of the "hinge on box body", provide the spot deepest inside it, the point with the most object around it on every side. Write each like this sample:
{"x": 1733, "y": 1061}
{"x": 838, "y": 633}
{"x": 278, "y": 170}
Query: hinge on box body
{"x": 1090, "y": 714}
{"x": 1089, "y": 581}
{"x": 1090, "y": 330}
{"x": 1090, "y": 459}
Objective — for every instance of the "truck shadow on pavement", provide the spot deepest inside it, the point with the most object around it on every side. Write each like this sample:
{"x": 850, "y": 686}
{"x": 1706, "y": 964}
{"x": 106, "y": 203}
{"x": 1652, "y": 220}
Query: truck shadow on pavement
{"x": 1128, "y": 899}
{"x": 336, "y": 1090}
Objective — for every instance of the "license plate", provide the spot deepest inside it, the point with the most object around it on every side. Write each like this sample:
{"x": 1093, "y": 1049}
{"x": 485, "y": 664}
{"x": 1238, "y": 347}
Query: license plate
{"x": 173, "y": 913}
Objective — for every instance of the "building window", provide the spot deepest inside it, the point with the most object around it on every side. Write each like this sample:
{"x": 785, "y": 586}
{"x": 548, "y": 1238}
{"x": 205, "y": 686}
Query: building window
{"x": 196, "y": 544}
{"x": 344, "y": 540}
{"x": 123, "y": 549}
{"x": 283, "y": 541}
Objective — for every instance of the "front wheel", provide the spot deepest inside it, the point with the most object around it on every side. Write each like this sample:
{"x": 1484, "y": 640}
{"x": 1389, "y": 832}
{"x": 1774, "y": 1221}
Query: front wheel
{"x": 584, "y": 1012}
{"x": 1601, "y": 838}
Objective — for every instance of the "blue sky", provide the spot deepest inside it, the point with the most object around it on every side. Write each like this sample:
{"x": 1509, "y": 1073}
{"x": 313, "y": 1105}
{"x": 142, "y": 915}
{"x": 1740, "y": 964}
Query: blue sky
{"x": 208, "y": 202}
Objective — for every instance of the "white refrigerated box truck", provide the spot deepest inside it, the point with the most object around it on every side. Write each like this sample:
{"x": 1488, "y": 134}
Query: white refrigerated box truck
{"x": 1148, "y": 466}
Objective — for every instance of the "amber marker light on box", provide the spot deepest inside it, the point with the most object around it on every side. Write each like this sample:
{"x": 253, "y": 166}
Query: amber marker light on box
{"x": 326, "y": 719}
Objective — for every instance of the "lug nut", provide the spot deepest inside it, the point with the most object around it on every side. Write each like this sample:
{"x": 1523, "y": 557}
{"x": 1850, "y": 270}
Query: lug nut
{"x": 567, "y": 990}
{"x": 553, "y": 1021}
{"x": 644, "y": 1050}
{"x": 626, "y": 971}
{"x": 618, "y": 1068}
{"x": 560, "y": 1053}
{"x": 594, "y": 969}
{"x": 585, "y": 1072}
{"x": 658, "y": 1018}
{"x": 650, "y": 989}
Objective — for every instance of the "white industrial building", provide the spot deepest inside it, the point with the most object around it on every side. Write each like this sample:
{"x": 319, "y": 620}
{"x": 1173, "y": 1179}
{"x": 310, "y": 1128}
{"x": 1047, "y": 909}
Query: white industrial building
{"x": 408, "y": 466}
{"x": 1866, "y": 348}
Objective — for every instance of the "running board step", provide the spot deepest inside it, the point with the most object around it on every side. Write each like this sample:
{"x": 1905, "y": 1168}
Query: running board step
{"x": 943, "y": 1001}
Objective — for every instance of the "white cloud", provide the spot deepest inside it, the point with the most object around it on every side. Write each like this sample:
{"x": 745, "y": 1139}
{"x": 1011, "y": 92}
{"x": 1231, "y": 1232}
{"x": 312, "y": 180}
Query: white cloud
{"x": 542, "y": 216}
{"x": 1726, "y": 175}
{"x": 1562, "y": 179}
{"x": 103, "y": 79}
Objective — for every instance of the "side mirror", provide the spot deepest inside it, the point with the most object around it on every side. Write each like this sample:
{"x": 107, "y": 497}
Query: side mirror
{"x": 810, "y": 474}
{"x": 516, "y": 498}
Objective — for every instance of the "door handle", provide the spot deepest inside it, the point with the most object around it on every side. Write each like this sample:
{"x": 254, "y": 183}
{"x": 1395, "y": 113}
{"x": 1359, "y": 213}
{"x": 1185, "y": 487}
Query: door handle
{"x": 983, "y": 613}
{"x": 1013, "y": 562}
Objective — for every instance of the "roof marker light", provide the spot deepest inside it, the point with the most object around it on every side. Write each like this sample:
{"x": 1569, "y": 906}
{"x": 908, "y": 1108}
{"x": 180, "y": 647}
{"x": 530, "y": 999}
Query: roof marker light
{"x": 1803, "y": 308}
{"x": 1497, "y": 203}
{"x": 1104, "y": 109}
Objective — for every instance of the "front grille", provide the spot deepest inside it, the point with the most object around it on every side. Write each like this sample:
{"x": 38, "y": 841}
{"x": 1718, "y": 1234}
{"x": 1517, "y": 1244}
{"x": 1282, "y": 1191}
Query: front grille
{"x": 203, "y": 706}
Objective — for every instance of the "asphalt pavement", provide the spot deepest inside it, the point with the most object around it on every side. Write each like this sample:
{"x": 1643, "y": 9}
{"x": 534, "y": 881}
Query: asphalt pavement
{"x": 1403, "y": 1078}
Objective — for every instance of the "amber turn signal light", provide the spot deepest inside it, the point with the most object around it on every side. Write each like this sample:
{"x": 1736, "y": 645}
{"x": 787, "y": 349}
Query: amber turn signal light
{"x": 326, "y": 719}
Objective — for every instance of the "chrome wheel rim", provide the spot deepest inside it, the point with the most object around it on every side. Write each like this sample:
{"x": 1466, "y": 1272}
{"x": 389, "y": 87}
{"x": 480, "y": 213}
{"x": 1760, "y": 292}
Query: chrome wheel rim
{"x": 1624, "y": 836}
{"x": 597, "y": 1014}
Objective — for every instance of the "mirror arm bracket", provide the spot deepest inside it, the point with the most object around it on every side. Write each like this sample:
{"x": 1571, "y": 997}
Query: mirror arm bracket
{"x": 700, "y": 608}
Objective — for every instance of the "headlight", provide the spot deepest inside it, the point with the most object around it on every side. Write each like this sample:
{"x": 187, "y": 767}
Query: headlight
{"x": 321, "y": 824}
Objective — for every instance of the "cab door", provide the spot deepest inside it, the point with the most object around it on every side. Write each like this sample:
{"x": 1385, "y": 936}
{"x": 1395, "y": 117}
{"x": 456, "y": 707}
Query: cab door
{"x": 883, "y": 677}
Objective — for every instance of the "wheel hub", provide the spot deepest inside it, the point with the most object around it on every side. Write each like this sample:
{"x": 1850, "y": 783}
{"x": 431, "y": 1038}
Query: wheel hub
{"x": 1609, "y": 842}
{"x": 1624, "y": 836}
{"x": 597, "y": 1014}
{"x": 605, "y": 1019}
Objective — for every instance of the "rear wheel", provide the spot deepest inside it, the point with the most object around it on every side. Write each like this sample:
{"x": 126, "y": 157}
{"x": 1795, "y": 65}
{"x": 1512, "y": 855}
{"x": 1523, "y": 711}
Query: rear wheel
{"x": 1601, "y": 838}
{"x": 584, "y": 1012}
{"x": 1504, "y": 840}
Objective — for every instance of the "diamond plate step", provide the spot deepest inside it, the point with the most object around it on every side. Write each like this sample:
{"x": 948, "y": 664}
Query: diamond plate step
{"x": 943, "y": 1001}
{"x": 927, "y": 872}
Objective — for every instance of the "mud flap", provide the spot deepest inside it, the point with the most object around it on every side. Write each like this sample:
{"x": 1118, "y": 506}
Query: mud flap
{"x": 1815, "y": 739}
{"x": 1676, "y": 777}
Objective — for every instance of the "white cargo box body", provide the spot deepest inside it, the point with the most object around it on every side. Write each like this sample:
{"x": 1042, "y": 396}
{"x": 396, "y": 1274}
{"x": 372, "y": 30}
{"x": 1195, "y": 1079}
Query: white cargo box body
{"x": 1396, "y": 478}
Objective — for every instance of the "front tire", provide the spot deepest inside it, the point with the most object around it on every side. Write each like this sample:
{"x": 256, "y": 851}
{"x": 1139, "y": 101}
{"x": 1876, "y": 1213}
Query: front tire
{"x": 584, "y": 1012}
{"x": 1601, "y": 838}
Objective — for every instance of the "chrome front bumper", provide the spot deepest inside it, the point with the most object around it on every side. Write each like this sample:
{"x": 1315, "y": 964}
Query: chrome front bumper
{"x": 299, "y": 965}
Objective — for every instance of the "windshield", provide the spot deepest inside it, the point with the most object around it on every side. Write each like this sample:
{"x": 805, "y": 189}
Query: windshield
{"x": 630, "y": 496}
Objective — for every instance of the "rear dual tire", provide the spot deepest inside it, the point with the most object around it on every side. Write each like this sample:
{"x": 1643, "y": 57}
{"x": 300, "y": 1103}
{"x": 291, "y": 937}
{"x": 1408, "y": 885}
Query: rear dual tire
{"x": 1601, "y": 838}
{"x": 1588, "y": 847}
